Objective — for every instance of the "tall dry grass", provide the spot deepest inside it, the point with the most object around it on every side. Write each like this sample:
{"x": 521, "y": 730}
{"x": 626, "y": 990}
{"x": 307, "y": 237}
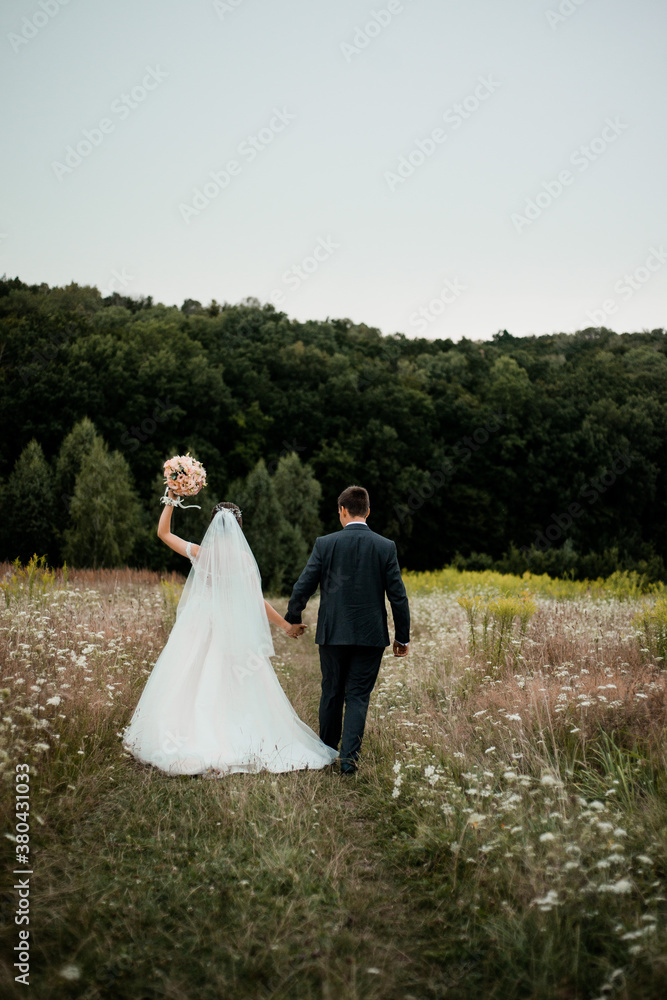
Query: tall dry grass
{"x": 505, "y": 836}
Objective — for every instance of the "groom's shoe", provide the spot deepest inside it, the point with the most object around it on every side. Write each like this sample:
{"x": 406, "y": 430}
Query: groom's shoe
{"x": 348, "y": 766}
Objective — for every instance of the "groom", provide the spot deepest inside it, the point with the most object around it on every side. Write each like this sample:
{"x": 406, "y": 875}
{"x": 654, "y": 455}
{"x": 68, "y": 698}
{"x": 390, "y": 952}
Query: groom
{"x": 354, "y": 569}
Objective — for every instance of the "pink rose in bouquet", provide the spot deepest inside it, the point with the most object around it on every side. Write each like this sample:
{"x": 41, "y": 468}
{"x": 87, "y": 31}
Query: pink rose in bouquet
{"x": 184, "y": 475}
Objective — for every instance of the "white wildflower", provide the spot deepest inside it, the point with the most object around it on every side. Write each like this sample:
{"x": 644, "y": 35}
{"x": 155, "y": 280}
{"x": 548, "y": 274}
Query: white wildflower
{"x": 548, "y": 901}
{"x": 623, "y": 885}
{"x": 70, "y": 972}
{"x": 512, "y": 799}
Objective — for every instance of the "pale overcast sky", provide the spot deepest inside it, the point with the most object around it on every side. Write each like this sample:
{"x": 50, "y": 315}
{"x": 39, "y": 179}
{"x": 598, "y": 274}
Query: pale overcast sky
{"x": 441, "y": 167}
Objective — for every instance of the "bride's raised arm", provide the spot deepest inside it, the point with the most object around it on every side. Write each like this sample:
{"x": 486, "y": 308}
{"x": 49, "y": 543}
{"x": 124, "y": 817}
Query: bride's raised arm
{"x": 166, "y": 535}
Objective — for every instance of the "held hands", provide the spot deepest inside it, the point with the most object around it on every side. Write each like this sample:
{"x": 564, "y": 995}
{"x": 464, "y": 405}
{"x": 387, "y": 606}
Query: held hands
{"x": 400, "y": 649}
{"x": 294, "y": 631}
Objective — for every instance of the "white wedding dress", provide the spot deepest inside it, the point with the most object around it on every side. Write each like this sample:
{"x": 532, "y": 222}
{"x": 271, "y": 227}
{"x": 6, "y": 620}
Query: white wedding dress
{"x": 213, "y": 703}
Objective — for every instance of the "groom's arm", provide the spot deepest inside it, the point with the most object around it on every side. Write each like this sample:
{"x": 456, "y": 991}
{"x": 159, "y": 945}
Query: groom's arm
{"x": 398, "y": 599}
{"x": 305, "y": 586}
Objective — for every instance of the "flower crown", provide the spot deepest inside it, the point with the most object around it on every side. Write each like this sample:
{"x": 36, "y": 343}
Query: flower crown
{"x": 232, "y": 508}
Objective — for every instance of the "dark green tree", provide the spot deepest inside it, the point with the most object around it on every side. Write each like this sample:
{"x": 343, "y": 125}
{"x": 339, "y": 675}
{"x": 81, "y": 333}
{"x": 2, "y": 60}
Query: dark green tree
{"x": 299, "y": 495}
{"x": 75, "y": 447}
{"x": 105, "y": 515}
{"x": 267, "y": 530}
{"x": 28, "y": 522}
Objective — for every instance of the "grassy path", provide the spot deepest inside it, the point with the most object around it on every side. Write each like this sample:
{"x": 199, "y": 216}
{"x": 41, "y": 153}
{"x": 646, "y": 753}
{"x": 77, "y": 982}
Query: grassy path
{"x": 254, "y": 886}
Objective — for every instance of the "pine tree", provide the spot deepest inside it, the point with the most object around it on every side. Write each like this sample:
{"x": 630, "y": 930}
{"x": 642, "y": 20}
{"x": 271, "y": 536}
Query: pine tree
{"x": 74, "y": 448}
{"x": 299, "y": 495}
{"x": 293, "y": 555}
{"x": 105, "y": 513}
{"x": 264, "y": 525}
{"x": 29, "y": 508}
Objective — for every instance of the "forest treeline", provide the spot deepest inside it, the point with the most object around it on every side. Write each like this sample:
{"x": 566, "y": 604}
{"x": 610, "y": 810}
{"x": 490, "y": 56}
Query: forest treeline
{"x": 544, "y": 453}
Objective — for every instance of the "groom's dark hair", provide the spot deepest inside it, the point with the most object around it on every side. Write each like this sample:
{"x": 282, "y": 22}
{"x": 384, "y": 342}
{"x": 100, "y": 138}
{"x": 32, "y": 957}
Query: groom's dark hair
{"x": 355, "y": 501}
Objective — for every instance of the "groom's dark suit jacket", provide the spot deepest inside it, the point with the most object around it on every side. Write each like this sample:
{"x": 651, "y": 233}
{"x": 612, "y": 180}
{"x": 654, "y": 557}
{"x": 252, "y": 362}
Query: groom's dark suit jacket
{"x": 354, "y": 568}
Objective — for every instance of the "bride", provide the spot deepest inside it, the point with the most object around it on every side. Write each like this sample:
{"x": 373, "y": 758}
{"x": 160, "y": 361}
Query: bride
{"x": 213, "y": 703}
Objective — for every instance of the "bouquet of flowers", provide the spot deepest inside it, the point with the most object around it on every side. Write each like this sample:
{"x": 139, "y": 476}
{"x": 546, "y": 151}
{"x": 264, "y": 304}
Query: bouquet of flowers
{"x": 185, "y": 477}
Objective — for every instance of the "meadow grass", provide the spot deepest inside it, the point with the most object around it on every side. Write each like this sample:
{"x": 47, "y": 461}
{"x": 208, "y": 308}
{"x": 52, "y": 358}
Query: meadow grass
{"x": 505, "y": 837}
{"x": 622, "y": 584}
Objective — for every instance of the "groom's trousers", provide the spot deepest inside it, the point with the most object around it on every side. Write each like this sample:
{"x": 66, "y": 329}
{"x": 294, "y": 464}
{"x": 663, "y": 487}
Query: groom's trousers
{"x": 348, "y": 677}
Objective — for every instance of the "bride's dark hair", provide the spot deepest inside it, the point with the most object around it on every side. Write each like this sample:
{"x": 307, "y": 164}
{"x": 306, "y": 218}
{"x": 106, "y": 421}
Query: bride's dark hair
{"x": 230, "y": 506}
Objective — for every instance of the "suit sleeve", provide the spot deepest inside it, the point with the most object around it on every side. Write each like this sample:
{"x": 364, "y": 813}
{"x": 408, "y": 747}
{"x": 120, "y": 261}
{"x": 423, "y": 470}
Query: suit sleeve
{"x": 398, "y": 599}
{"x": 305, "y": 586}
